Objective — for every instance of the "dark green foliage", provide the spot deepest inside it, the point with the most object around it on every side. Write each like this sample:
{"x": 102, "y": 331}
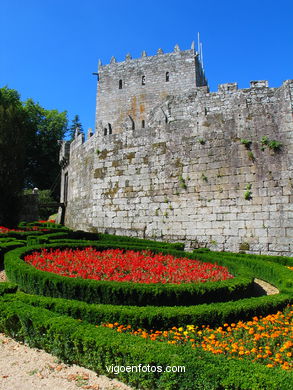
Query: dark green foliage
{"x": 14, "y": 130}
{"x": 98, "y": 348}
{"x": 49, "y": 126}
{"x": 284, "y": 260}
{"x": 8, "y": 246}
{"x": 75, "y": 124}
{"x": 7, "y": 288}
{"x": 159, "y": 318}
{"x": 247, "y": 143}
{"x": 29, "y": 147}
{"x": 271, "y": 143}
{"x": 35, "y": 281}
{"x": 46, "y": 204}
{"x": 45, "y": 322}
{"x": 146, "y": 243}
{"x": 259, "y": 267}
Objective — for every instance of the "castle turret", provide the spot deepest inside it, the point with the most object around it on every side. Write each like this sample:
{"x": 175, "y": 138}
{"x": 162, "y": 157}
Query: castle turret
{"x": 129, "y": 90}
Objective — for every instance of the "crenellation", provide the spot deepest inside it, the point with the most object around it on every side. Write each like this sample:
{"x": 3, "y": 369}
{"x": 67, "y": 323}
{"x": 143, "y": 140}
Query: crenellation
{"x": 183, "y": 173}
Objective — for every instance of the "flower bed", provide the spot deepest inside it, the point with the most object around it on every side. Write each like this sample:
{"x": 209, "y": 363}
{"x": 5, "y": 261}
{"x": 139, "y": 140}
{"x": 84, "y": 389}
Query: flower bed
{"x": 99, "y": 348}
{"x": 4, "y": 229}
{"x": 265, "y": 340}
{"x": 125, "y": 266}
{"x": 33, "y": 280}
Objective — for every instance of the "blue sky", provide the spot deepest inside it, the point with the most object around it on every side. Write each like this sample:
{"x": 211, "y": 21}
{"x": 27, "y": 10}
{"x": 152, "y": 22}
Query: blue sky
{"x": 49, "y": 48}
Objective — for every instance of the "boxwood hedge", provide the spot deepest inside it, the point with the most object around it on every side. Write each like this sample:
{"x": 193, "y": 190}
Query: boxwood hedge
{"x": 27, "y": 318}
{"x": 159, "y": 317}
{"x": 100, "y": 349}
{"x": 35, "y": 281}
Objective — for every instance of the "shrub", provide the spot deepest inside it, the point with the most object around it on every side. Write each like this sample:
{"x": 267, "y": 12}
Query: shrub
{"x": 99, "y": 348}
{"x": 35, "y": 281}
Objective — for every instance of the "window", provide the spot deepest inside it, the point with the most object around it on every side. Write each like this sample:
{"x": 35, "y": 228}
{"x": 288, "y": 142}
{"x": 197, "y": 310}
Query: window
{"x": 120, "y": 84}
{"x": 105, "y": 131}
{"x": 65, "y": 189}
{"x": 110, "y": 128}
{"x": 143, "y": 80}
{"x": 132, "y": 122}
{"x": 167, "y": 76}
{"x": 143, "y": 124}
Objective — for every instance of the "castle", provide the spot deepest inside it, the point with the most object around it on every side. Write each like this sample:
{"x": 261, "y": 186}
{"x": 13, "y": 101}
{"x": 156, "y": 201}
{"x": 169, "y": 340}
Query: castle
{"x": 170, "y": 160}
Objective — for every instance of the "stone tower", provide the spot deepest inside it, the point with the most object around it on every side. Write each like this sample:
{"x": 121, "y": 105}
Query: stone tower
{"x": 170, "y": 160}
{"x": 129, "y": 90}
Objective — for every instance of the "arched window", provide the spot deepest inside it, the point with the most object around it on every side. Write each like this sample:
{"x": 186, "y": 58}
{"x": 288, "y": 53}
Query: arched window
{"x": 105, "y": 131}
{"x": 143, "y": 124}
{"x": 143, "y": 80}
{"x": 120, "y": 84}
{"x": 167, "y": 76}
{"x": 110, "y": 128}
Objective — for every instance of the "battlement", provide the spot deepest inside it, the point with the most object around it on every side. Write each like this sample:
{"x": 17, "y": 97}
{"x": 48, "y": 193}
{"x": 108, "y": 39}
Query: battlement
{"x": 159, "y": 55}
{"x": 129, "y": 90}
{"x": 171, "y": 160}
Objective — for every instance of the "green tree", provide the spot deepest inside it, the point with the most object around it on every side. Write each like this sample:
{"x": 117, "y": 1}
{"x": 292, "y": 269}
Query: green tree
{"x": 14, "y": 131}
{"x": 75, "y": 123}
{"x": 42, "y": 167}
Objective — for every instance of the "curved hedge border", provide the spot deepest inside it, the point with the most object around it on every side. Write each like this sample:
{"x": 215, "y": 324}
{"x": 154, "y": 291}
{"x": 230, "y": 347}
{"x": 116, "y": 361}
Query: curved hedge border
{"x": 98, "y": 348}
{"x": 270, "y": 271}
{"x": 25, "y": 317}
{"x": 283, "y": 260}
{"x": 34, "y": 281}
{"x": 158, "y": 317}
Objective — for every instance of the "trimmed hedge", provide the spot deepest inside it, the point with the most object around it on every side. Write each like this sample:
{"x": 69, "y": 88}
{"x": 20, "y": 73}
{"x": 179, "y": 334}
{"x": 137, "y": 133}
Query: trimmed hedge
{"x": 121, "y": 240}
{"x": 32, "y": 280}
{"x": 89, "y": 236}
{"x": 140, "y": 241}
{"x": 21, "y": 235}
{"x": 46, "y": 225}
{"x": 8, "y": 246}
{"x": 271, "y": 272}
{"x": 159, "y": 318}
{"x": 98, "y": 348}
{"x": 284, "y": 260}
{"x": 7, "y": 288}
{"x": 26, "y": 317}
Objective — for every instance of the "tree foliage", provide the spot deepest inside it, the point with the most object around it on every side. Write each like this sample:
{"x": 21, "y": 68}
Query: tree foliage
{"x": 14, "y": 131}
{"x": 75, "y": 124}
{"x": 49, "y": 126}
{"x": 29, "y": 151}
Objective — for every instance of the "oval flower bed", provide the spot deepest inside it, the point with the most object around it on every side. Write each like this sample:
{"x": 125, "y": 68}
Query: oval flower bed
{"x": 125, "y": 266}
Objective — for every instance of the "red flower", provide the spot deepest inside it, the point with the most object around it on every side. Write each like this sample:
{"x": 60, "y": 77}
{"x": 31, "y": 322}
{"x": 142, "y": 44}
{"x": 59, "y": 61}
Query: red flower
{"x": 126, "y": 266}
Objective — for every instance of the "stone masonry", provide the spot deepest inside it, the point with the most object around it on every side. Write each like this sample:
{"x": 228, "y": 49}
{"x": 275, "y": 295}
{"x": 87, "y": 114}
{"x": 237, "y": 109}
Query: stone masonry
{"x": 170, "y": 160}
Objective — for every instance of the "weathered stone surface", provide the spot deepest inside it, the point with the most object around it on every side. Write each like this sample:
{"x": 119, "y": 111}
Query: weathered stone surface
{"x": 186, "y": 172}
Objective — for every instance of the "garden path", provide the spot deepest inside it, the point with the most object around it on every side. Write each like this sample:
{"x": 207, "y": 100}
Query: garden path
{"x": 25, "y": 368}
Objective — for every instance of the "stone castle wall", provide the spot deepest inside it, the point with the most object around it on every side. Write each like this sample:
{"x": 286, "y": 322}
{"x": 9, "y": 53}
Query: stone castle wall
{"x": 129, "y": 90}
{"x": 193, "y": 178}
